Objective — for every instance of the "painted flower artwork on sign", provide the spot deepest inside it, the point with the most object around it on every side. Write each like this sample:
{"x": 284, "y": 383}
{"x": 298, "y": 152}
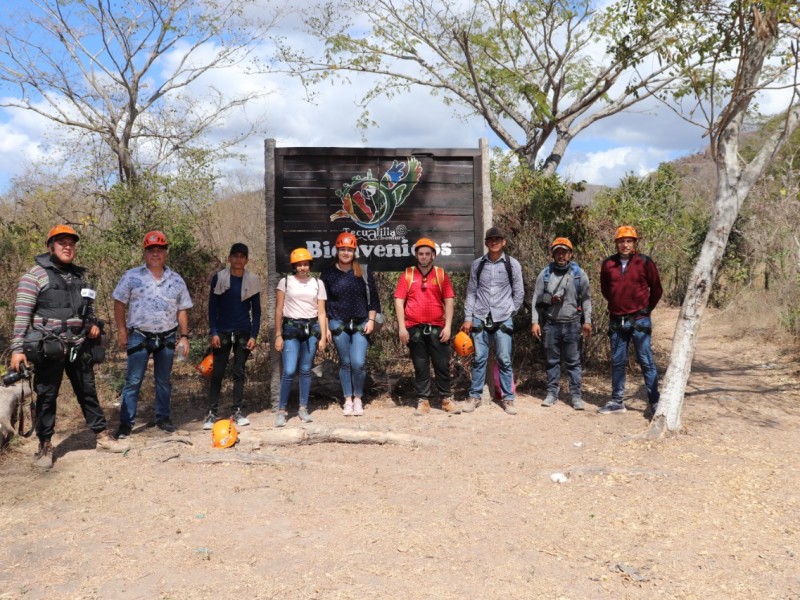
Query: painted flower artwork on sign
{"x": 370, "y": 202}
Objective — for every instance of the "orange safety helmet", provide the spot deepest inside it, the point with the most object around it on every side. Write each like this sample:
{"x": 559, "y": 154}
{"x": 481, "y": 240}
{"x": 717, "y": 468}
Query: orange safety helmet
{"x": 561, "y": 241}
{"x": 463, "y": 344}
{"x": 206, "y": 365}
{"x": 299, "y": 255}
{"x": 425, "y": 242}
{"x": 625, "y": 231}
{"x": 346, "y": 240}
{"x": 155, "y": 238}
{"x": 61, "y": 230}
{"x": 224, "y": 434}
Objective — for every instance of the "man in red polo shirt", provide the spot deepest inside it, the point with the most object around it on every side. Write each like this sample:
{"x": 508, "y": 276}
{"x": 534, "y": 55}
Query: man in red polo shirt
{"x": 424, "y": 301}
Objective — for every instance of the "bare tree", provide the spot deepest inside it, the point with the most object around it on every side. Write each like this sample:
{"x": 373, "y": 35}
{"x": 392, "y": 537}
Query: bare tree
{"x": 762, "y": 40}
{"x": 535, "y": 70}
{"x": 121, "y": 71}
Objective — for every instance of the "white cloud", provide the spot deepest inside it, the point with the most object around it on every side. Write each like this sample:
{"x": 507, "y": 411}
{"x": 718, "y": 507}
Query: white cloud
{"x": 607, "y": 167}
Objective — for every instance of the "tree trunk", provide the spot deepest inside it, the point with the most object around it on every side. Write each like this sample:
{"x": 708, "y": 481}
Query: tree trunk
{"x": 684, "y": 341}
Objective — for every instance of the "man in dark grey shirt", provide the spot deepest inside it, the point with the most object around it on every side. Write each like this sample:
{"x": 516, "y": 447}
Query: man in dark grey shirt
{"x": 494, "y": 294}
{"x": 563, "y": 314}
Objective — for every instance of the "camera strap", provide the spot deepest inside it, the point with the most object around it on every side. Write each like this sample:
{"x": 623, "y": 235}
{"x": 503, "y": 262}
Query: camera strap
{"x": 21, "y": 414}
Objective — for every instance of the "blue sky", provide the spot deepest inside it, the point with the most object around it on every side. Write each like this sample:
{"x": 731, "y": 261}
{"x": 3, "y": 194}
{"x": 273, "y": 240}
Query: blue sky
{"x": 636, "y": 141}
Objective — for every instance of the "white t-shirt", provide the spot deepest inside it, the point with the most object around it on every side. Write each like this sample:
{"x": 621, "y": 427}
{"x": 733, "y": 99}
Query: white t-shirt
{"x": 301, "y": 298}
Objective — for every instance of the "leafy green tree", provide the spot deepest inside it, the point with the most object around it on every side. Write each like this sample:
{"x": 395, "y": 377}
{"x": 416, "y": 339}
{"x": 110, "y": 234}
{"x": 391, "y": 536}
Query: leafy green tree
{"x": 120, "y": 72}
{"x": 537, "y": 71}
{"x": 747, "y": 47}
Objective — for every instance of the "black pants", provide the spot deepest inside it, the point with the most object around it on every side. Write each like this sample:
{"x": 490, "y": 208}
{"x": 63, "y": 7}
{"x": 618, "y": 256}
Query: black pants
{"x": 238, "y": 342}
{"x": 47, "y": 382}
{"x": 425, "y": 350}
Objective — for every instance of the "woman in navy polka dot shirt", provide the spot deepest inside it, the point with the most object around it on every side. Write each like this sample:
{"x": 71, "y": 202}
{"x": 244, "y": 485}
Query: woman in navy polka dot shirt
{"x": 350, "y": 319}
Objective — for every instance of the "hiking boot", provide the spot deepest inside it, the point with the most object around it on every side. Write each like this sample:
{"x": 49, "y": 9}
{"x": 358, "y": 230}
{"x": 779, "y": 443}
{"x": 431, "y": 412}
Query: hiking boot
{"x": 549, "y": 400}
{"x": 124, "y": 431}
{"x": 423, "y": 408}
{"x": 577, "y": 403}
{"x": 166, "y": 425}
{"x": 240, "y": 419}
{"x": 449, "y": 406}
{"x": 208, "y": 422}
{"x": 347, "y": 411}
{"x": 358, "y": 407}
{"x": 509, "y": 407}
{"x": 471, "y": 404}
{"x": 44, "y": 456}
{"x": 303, "y": 414}
{"x": 280, "y": 418}
{"x": 612, "y": 407}
{"x": 105, "y": 441}
{"x": 650, "y": 411}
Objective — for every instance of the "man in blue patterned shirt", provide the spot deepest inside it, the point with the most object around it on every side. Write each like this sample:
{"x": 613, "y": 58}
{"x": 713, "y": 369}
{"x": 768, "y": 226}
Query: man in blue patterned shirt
{"x": 157, "y": 302}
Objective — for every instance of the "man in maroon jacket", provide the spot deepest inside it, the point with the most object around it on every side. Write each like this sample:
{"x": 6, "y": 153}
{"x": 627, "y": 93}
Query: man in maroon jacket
{"x": 631, "y": 285}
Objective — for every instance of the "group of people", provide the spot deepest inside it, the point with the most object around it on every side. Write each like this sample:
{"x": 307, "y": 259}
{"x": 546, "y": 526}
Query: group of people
{"x": 56, "y": 328}
{"x": 342, "y": 308}
{"x": 56, "y": 331}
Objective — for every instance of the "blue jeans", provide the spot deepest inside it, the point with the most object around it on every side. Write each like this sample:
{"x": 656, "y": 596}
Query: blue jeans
{"x": 502, "y": 354}
{"x": 563, "y": 341}
{"x": 352, "y": 351}
{"x": 297, "y": 354}
{"x": 620, "y": 338}
{"x": 137, "y": 365}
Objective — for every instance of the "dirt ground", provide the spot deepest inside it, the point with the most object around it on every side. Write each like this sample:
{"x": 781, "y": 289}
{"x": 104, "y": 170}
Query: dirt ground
{"x": 709, "y": 513}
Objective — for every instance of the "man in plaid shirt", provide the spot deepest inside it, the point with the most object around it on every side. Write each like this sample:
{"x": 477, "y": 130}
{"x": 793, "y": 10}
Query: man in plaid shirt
{"x": 424, "y": 301}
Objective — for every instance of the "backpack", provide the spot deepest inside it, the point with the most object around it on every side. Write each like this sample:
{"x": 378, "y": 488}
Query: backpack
{"x": 437, "y": 271}
{"x": 575, "y": 270}
{"x": 576, "y": 275}
{"x": 522, "y": 318}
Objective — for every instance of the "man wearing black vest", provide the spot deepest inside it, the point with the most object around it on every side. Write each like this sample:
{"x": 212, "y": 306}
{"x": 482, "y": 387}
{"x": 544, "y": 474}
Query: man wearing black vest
{"x": 54, "y": 323}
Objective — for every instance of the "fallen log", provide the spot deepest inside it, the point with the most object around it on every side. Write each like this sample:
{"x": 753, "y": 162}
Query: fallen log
{"x": 10, "y": 399}
{"x": 323, "y": 435}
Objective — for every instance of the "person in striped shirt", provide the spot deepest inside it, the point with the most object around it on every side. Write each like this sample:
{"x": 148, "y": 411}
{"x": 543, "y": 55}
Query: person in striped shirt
{"x": 53, "y": 319}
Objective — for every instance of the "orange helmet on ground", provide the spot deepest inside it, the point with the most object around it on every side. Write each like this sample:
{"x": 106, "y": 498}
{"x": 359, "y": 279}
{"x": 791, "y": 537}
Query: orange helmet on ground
{"x": 561, "y": 242}
{"x": 422, "y": 242}
{"x": 299, "y": 255}
{"x": 206, "y": 365}
{"x": 463, "y": 344}
{"x": 625, "y": 231}
{"x": 224, "y": 434}
{"x": 61, "y": 230}
{"x": 346, "y": 240}
{"x": 155, "y": 238}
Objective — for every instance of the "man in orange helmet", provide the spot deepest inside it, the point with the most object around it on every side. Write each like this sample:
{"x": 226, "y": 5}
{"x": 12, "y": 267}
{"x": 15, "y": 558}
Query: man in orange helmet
{"x": 234, "y": 318}
{"x": 156, "y": 300}
{"x": 631, "y": 285}
{"x": 424, "y": 300}
{"x": 563, "y": 314}
{"x": 54, "y": 326}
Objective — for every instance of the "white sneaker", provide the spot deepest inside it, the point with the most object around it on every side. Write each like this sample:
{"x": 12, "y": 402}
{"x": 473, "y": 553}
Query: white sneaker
{"x": 358, "y": 407}
{"x": 240, "y": 419}
{"x": 209, "y": 421}
{"x": 347, "y": 411}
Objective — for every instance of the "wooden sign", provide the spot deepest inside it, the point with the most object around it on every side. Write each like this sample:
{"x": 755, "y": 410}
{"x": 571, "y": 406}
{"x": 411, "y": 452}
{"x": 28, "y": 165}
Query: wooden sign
{"x": 388, "y": 198}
